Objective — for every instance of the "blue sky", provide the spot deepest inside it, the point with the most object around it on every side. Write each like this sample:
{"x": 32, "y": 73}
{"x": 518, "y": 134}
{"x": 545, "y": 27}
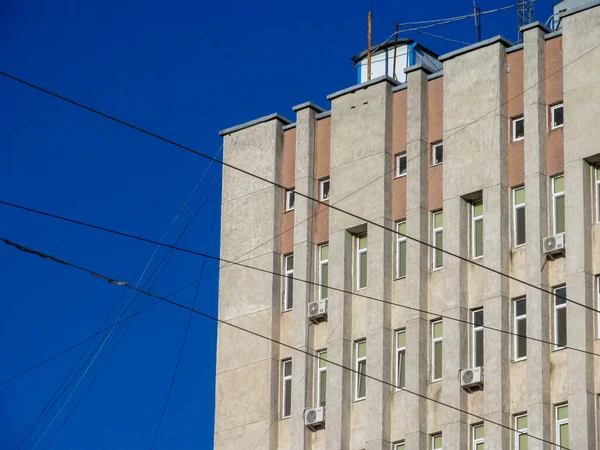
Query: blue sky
{"x": 185, "y": 70}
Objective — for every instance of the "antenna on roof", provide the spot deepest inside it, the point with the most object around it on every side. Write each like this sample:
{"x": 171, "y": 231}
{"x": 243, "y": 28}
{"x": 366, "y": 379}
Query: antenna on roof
{"x": 370, "y": 20}
{"x": 525, "y": 11}
{"x": 477, "y": 17}
{"x": 395, "y": 47}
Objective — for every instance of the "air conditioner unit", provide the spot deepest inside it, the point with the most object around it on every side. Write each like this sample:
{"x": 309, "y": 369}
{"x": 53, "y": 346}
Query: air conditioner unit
{"x": 317, "y": 311}
{"x": 554, "y": 244}
{"x": 314, "y": 418}
{"x": 471, "y": 379}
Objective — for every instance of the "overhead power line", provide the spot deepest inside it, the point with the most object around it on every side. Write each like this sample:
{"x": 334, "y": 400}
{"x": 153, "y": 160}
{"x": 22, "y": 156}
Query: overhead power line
{"x": 125, "y": 284}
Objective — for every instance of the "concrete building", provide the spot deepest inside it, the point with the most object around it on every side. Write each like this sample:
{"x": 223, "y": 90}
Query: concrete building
{"x": 454, "y": 158}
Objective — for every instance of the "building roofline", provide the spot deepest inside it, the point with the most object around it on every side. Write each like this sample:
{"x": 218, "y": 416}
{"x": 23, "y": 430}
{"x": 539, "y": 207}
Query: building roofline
{"x": 570, "y": 12}
{"x": 531, "y": 25}
{"x": 364, "y": 85}
{"x": 553, "y": 34}
{"x": 434, "y": 75}
{"x": 514, "y": 48}
{"x": 288, "y": 126}
{"x": 476, "y": 46}
{"x": 304, "y": 105}
{"x": 323, "y": 115}
{"x": 418, "y": 66}
{"x": 400, "y": 87}
{"x": 274, "y": 116}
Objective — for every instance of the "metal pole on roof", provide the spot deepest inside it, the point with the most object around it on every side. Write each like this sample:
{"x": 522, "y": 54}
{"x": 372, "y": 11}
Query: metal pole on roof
{"x": 369, "y": 46}
{"x": 395, "y": 46}
{"x": 477, "y": 15}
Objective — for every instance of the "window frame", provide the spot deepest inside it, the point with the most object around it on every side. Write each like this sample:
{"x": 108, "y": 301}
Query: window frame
{"x": 555, "y": 308}
{"x": 322, "y": 183}
{"x": 290, "y": 200}
{"x": 597, "y": 191}
{"x": 322, "y": 263}
{"x": 555, "y": 196}
{"x": 598, "y": 306}
{"x": 514, "y": 121}
{"x": 433, "y": 438}
{"x": 435, "y": 341}
{"x": 520, "y": 431}
{"x": 474, "y": 220}
{"x": 284, "y": 388}
{"x": 400, "y": 351}
{"x": 434, "y": 237}
{"x": 434, "y": 147}
{"x": 359, "y": 252}
{"x": 400, "y": 239}
{"x": 552, "y": 109}
{"x": 516, "y": 208}
{"x": 288, "y": 277}
{"x": 357, "y": 377}
{"x": 516, "y": 336}
{"x": 474, "y": 330}
{"x": 558, "y": 422}
{"x": 477, "y": 441}
{"x": 320, "y": 372}
{"x": 400, "y": 445}
{"x": 397, "y": 159}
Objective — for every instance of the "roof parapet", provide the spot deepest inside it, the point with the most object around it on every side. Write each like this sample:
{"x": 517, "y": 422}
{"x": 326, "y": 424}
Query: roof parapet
{"x": 570, "y": 12}
{"x": 274, "y": 116}
{"x": 364, "y": 85}
{"x": 476, "y": 46}
{"x": 304, "y": 105}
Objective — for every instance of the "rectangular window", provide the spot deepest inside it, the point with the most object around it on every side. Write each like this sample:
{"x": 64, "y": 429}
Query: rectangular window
{"x": 438, "y": 240}
{"x": 560, "y": 317}
{"x": 289, "y": 199}
{"x": 478, "y": 437}
{"x": 436, "y": 441}
{"x": 562, "y": 425}
{"x": 558, "y": 203}
{"x": 400, "y": 358}
{"x": 436, "y": 350}
{"x": 399, "y": 445}
{"x": 520, "y": 325}
{"x": 286, "y": 391}
{"x": 521, "y": 433}
{"x": 323, "y": 271}
{"x": 400, "y": 165}
{"x": 518, "y": 128}
{"x": 597, "y": 184}
{"x": 437, "y": 153}
{"x": 519, "y": 215}
{"x": 558, "y": 118}
{"x": 361, "y": 261}
{"x": 477, "y": 337}
{"x": 477, "y": 229}
{"x": 401, "y": 250}
{"x": 288, "y": 286}
{"x": 360, "y": 391}
{"x": 598, "y": 306}
{"x": 324, "y": 188}
{"x": 322, "y": 378}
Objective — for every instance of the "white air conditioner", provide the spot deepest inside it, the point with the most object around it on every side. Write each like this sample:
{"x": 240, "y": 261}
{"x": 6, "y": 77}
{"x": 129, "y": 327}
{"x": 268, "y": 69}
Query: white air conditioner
{"x": 314, "y": 418}
{"x": 554, "y": 244}
{"x": 471, "y": 379}
{"x": 317, "y": 311}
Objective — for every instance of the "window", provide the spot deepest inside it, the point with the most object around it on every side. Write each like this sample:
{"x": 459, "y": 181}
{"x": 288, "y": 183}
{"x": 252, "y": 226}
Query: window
{"x": 477, "y": 229}
{"x": 286, "y": 394}
{"x": 401, "y": 250}
{"x": 560, "y": 317}
{"x": 518, "y": 127}
{"x": 562, "y": 426}
{"x": 324, "y": 187}
{"x": 400, "y": 165}
{"x": 323, "y": 271}
{"x": 436, "y": 350}
{"x": 519, "y": 215}
{"x": 558, "y": 118}
{"x": 521, "y": 433}
{"x": 399, "y": 445}
{"x": 598, "y": 306}
{"x": 597, "y": 179}
{"x": 436, "y": 442}
{"x": 322, "y": 378}
{"x": 520, "y": 325}
{"x": 477, "y": 320}
{"x": 400, "y": 358}
{"x": 288, "y": 287}
{"x": 289, "y": 199}
{"x": 361, "y": 370}
{"x": 438, "y": 240}
{"x": 558, "y": 203}
{"x": 478, "y": 437}
{"x": 361, "y": 261}
{"x": 437, "y": 153}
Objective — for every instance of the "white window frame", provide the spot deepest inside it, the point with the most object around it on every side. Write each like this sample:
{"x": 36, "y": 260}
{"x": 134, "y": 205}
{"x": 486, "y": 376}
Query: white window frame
{"x": 520, "y": 431}
{"x": 357, "y": 377}
{"x": 516, "y": 208}
{"x": 552, "y": 109}
{"x": 359, "y": 252}
{"x": 474, "y": 330}
{"x": 285, "y": 385}
{"x": 399, "y": 445}
{"x": 434, "y": 341}
{"x": 598, "y": 306}
{"x": 399, "y": 156}
{"x": 433, "y": 438}
{"x": 555, "y": 196}
{"x": 400, "y": 351}
{"x": 597, "y": 185}
{"x": 516, "y": 320}
{"x": 434, "y": 238}
{"x": 399, "y": 240}
{"x": 514, "y": 128}
{"x": 555, "y": 309}
{"x": 320, "y": 371}
{"x": 290, "y": 199}
{"x": 474, "y": 220}
{"x": 477, "y": 441}
{"x": 560, "y": 422}
{"x": 324, "y": 181}
{"x": 434, "y": 147}
{"x": 322, "y": 263}
{"x": 288, "y": 281}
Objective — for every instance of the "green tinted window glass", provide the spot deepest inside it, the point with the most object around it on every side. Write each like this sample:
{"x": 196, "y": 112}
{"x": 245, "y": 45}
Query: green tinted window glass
{"x": 437, "y": 442}
{"x": 560, "y": 214}
{"x": 479, "y": 446}
{"x": 362, "y": 241}
{"x": 402, "y": 259}
{"x": 363, "y": 270}
{"x": 439, "y": 254}
{"x": 522, "y": 442}
{"x": 362, "y": 349}
{"x": 324, "y": 252}
{"x": 439, "y": 220}
{"x": 564, "y": 435}
{"x": 362, "y": 380}
{"x": 402, "y": 227}
{"x": 478, "y": 208}
{"x": 438, "y": 360}
{"x": 478, "y": 251}
{"x": 479, "y": 432}
{"x": 559, "y": 184}
{"x": 323, "y": 388}
{"x": 400, "y": 339}
{"x": 322, "y": 359}
{"x": 562, "y": 412}
{"x": 521, "y": 422}
{"x": 437, "y": 329}
{"x": 324, "y": 280}
{"x": 597, "y": 172}
{"x": 519, "y": 196}
{"x": 399, "y": 447}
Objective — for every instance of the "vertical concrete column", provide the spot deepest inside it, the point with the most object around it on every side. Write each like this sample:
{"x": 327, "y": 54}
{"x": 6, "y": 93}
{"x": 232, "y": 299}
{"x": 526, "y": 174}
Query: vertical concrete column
{"x": 539, "y": 417}
{"x": 302, "y": 368}
{"x": 417, "y": 270}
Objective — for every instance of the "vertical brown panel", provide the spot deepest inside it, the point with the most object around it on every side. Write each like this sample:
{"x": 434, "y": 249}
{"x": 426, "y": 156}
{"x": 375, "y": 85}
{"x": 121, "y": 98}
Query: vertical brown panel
{"x": 288, "y": 170}
{"x": 436, "y": 133}
{"x": 554, "y": 95}
{"x": 322, "y": 148}
{"x": 515, "y": 108}
{"x": 399, "y": 117}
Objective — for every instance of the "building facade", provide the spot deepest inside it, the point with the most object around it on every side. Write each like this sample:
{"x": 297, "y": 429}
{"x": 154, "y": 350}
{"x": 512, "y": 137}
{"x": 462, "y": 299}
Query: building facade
{"x": 485, "y": 159}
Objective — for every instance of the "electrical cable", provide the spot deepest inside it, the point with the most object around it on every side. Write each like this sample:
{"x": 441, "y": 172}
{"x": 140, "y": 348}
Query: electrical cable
{"x": 275, "y": 341}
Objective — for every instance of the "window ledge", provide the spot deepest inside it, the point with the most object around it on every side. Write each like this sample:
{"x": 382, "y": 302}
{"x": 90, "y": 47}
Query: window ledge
{"x": 435, "y": 381}
{"x": 558, "y": 349}
{"x": 476, "y": 258}
{"x": 287, "y": 310}
{"x": 325, "y": 199}
{"x": 288, "y": 210}
{"x": 357, "y": 400}
{"x": 519, "y": 246}
{"x": 437, "y": 164}
{"x": 285, "y": 418}
{"x": 400, "y": 278}
{"x": 519, "y": 360}
{"x": 557, "y": 127}
{"x": 435, "y": 269}
{"x": 399, "y": 176}
{"x": 518, "y": 139}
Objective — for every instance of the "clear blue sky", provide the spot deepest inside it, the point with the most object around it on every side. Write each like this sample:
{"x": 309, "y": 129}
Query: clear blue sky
{"x": 185, "y": 70}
